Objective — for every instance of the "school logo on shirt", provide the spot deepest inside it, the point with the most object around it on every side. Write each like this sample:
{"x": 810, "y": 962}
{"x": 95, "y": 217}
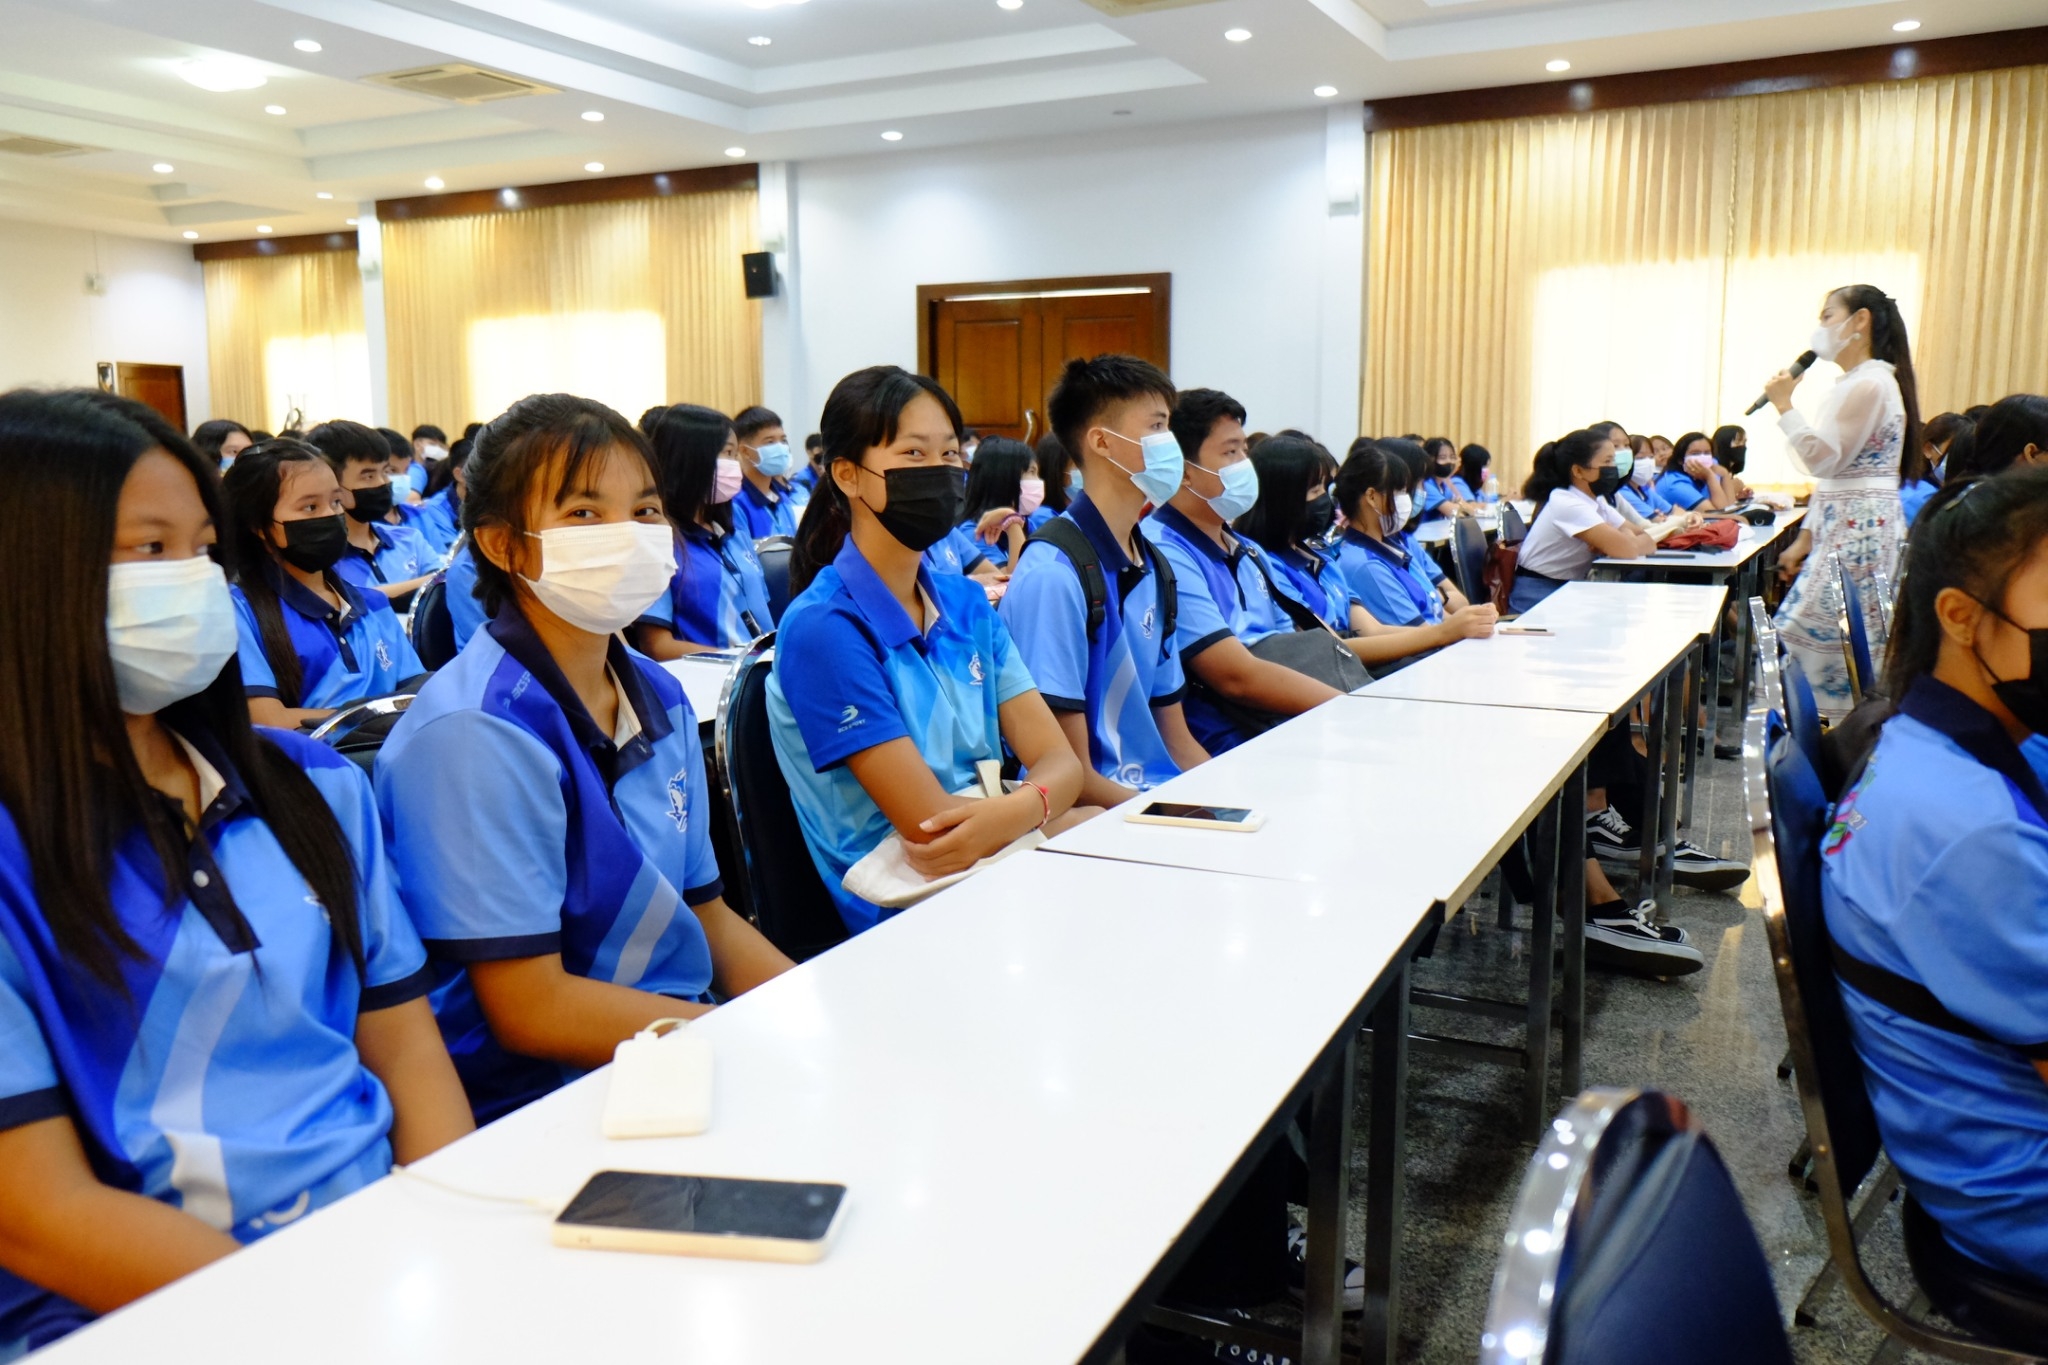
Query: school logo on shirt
{"x": 289, "y": 1213}
{"x": 850, "y": 718}
{"x": 974, "y": 668}
{"x": 383, "y": 655}
{"x": 1145, "y": 626}
{"x": 1132, "y": 775}
{"x": 679, "y": 800}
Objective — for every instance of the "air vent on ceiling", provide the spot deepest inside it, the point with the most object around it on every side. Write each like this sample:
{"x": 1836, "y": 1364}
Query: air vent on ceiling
{"x": 462, "y": 83}
{"x": 1124, "y": 9}
{"x": 40, "y": 146}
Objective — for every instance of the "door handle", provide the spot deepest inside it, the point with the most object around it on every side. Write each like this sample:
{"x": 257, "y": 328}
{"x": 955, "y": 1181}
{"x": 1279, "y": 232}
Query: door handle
{"x": 1030, "y": 424}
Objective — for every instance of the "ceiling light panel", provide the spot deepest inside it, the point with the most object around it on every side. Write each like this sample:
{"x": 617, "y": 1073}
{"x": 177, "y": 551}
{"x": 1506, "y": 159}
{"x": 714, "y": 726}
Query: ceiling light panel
{"x": 221, "y": 74}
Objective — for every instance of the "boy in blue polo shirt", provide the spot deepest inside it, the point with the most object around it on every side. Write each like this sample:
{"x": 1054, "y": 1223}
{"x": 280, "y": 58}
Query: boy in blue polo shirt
{"x": 763, "y": 503}
{"x": 1116, "y": 686}
{"x": 385, "y": 553}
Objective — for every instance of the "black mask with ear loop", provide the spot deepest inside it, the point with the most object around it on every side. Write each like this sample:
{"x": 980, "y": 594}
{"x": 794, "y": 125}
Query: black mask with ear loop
{"x": 2026, "y": 698}
{"x": 924, "y": 504}
{"x": 1606, "y": 481}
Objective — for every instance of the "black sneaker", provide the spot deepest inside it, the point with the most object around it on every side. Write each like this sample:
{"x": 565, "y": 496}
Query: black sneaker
{"x": 1696, "y": 867}
{"x": 1297, "y": 1270}
{"x": 1627, "y": 938}
{"x": 1609, "y": 835}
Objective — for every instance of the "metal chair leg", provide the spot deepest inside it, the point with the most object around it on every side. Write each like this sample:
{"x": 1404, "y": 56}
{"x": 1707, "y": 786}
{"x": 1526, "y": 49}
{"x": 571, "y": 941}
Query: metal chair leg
{"x": 1893, "y": 1350}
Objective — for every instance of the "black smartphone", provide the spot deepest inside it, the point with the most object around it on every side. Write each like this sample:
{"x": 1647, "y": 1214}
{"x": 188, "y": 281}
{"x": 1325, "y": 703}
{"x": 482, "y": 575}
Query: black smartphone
{"x": 1200, "y": 817}
{"x": 702, "y": 1215}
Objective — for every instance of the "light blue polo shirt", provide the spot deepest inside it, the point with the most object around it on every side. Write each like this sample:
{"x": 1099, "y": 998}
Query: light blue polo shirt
{"x": 1681, "y": 490}
{"x": 519, "y": 830}
{"x": 416, "y": 476}
{"x": 1114, "y": 679}
{"x": 226, "y": 1083}
{"x": 1647, "y": 499}
{"x": 1435, "y": 493}
{"x": 1914, "y": 496}
{"x": 439, "y": 518}
{"x": 719, "y": 596}
{"x": 1380, "y": 576}
{"x": 1936, "y": 868}
{"x": 465, "y": 608}
{"x": 1421, "y": 562}
{"x": 957, "y": 553}
{"x": 402, "y": 554}
{"x": 763, "y": 516}
{"x": 1316, "y": 582}
{"x": 1466, "y": 493}
{"x": 861, "y": 674}
{"x": 344, "y": 656}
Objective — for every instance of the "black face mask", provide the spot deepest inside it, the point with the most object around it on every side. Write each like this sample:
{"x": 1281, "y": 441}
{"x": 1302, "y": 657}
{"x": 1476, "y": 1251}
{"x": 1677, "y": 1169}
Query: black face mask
{"x": 1444, "y": 471}
{"x": 372, "y": 504}
{"x": 1737, "y": 458}
{"x": 2026, "y": 698}
{"x": 924, "y": 504}
{"x": 1318, "y": 515}
{"x": 1606, "y": 482}
{"x": 315, "y": 544}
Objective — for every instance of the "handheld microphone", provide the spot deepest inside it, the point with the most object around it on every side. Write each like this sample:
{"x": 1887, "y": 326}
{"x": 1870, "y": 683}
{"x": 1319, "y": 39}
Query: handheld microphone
{"x": 1799, "y": 367}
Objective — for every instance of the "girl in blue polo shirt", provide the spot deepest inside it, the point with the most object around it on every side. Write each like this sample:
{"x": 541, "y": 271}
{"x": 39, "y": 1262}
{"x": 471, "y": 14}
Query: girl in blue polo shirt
{"x": 544, "y": 795}
{"x": 384, "y": 553}
{"x": 311, "y": 641}
{"x": 1420, "y": 562}
{"x": 1440, "y": 496}
{"x": 1475, "y": 481}
{"x": 1934, "y": 876}
{"x": 719, "y": 596}
{"x": 438, "y": 516}
{"x": 183, "y": 1070}
{"x": 1003, "y": 489}
{"x": 892, "y": 682}
{"x": 1372, "y": 491}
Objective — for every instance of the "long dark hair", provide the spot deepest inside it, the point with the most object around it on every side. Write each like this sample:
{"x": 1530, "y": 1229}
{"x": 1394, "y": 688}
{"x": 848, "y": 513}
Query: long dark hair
{"x": 68, "y": 774}
{"x": 1554, "y": 464}
{"x": 1472, "y": 463}
{"x": 861, "y": 413}
{"x": 996, "y": 477}
{"x": 1889, "y": 343}
{"x": 1973, "y": 535}
{"x": 441, "y": 474}
{"x": 1368, "y": 469}
{"x": 2002, "y": 434}
{"x": 252, "y": 485}
{"x": 1726, "y": 453}
{"x": 1288, "y": 467}
{"x": 1052, "y": 467}
{"x": 686, "y": 440}
{"x": 209, "y": 437}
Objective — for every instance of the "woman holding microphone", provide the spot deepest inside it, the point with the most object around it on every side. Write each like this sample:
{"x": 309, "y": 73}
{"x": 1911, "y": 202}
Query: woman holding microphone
{"x": 1852, "y": 447}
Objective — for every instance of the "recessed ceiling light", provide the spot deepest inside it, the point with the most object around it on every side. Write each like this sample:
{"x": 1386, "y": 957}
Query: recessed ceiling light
{"x": 892, "y": 136}
{"x": 1557, "y": 64}
{"x": 191, "y": 236}
{"x": 593, "y": 116}
{"x": 761, "y": 40}
{"x": 1009, "y": 4}
{"x": 435, "y": 182}
{"x": 273, "y": 108}
{"x": 306, "y": 45}
{"x": 1324, "y": 92}
{"x": 163, "y": 168}
{"x": 221, "y": 75}
{"x": 263, "y": 227}
{"x": 1238, "y": 35}
{"x": 350, "y": 221}
{"x": 735, "y": 152}
{"x": 323, "y": 194}
{"x": 1905, "y": 25}
{"x": 593, "y": 166}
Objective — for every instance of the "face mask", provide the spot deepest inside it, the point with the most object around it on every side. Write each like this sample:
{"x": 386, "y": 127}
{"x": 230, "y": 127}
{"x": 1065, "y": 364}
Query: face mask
{"x": 170, "y": 630}
{"x": 772, "y": 459}
{"x": 1624, "y": 461}
{"x": 600, "y": 578}
{"x": 1160, "y": 478}
{"x": 1030, "y": 495}
{"x": 434, "y": 452}
{"x": 2026, "y": 698}
{"x": 1605, "y": 481}
{"x": 1073, "y": 482}
{"x": 1699, "y": 465}
{"x": 1827, "y": 342}
{"x": 1240, "y": 490}
{"x": 1318, "y": 515}
{"x": 372, "y": 504}
{"x": 1642, "y": 472}
{"x": 967, "y": 451}
{"x": 315, "y": 544}
{"x": 1392, "y": 522}
{"x": 725, "y": 484}
{"x": 924, "y": 504}
{"x": 1444, "y": 471}
{"x": 1738, "y": 456}
{"x": 227, "y": 462}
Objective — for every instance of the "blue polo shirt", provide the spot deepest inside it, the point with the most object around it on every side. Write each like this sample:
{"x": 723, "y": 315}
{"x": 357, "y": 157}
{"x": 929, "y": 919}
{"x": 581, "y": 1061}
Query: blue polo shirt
{"x": 1647, "y": 499}
{"x": 518, "y": 829}
{"x": 805, "y": 479}
{"x": 763, "y": 515}
{"x": 1936, "y": 868}
{"x": 1435, "y": 493}
{"x": 416, "y": 476}
{"x": 402, "y": 554}
{"x": 958, "y": 553}
{"x": 439, "y": 519}
{"x": 226, "y": 1082}
{"x": 1681, "y": 490}
{"x": 359, "y": 651}
{"x": 1914, "y": 496}
{"x": 861, "y": 674}
{"x": 1466, "y": 493}
{"x": 1116, "y": 678}
{"x": 465, "y": 608}
{"x": 718, "y": 596}
{"x": 1421, "y": 562}
{"x": 1315, "y": 582}
{"x": 1380, "y": 575}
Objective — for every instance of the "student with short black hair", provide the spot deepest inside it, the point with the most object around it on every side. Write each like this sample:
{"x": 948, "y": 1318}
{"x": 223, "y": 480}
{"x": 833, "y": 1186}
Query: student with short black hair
{"x": 805, "y": 480}
{"x": 429, "y": 447}
{"x": 1420, "y": 561}
{"x": 221, "y": 440}
{"x": 544, "y": 794}
{"x": 1440, "y": 496}
{"x": 385, "y": 553}
{"x": 1693, "y": 480}
{"x": 1475, "y": 481}
{"x": 718, "y": 597}
{"x": 213, "y": 1008}
{"x": 1731, "y": 452}
{"x": 1005, "y": 501}
{"x": 763, "y": 503}
{"x": 2012, "y": 432}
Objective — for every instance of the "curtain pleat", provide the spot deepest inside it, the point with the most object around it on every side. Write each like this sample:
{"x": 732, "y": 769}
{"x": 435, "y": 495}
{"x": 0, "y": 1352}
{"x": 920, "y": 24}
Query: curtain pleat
{"x": 286, "y": 332}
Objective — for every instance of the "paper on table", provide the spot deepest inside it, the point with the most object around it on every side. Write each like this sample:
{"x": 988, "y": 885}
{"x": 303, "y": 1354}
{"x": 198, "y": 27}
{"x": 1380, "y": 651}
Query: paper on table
{"x": 886, "y": 878}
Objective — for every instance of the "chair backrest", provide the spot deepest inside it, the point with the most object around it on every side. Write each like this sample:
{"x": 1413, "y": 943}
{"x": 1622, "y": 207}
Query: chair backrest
{"x": 1625, "y": 1201}
{"x": 359, "y": 731}
{"x": 784, "y": 891}
{"x": 433, "y": 629}
{"x": 1513, "y": 529}
{"x": 1855, "y": 630}
{"x": 1802, "y": 712}
{"x": 1468, "y": 556}
{"x": 1886, "y": 598}
{"x": 774, "y": 552}
{"x": 1765, "y": 633}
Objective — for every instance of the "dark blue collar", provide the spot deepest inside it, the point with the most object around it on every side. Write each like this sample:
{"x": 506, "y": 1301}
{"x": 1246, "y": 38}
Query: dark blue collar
{"x": 511, "y": 629}
{"x": 1114, "y": 556}
{"x": 233, "y": 795}
{"x": 1393, "y": 554}
{"x": 759, "y": 499}
{"x": 310, "y": 604}
{"x": 871, "y": 596}
{"x": 1308, "y": 561}
{"x": 1177, "y": 521}
{"x": 1976, "y": 732}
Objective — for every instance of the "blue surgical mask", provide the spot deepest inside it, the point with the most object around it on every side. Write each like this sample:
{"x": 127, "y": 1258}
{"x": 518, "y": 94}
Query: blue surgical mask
{"x": 1164, "y": 464}
{"x": 772, "y": 459}
{"x": 1240, "y": 489}
{"x": 1073, "y": 482}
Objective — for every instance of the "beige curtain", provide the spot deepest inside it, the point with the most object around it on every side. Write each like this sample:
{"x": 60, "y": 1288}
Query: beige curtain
{"x": 286, "y": 333}
{"x": 1655, "y": 265}
{"x": 632, "y": 303}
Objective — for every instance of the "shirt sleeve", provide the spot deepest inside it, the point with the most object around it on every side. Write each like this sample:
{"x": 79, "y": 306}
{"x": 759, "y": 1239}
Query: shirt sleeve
{"x": 1199, "y": 619}
{"x": 29, "y": 1088}
{"x": 1680, "y": 491}
{"x": 394, "y": 962}
{"x": 1574, "y": 515}
{"x": 701, "y": 879}
{"x": 1047, "y": 617}
{"x": 1986, "y": 966}
{"x": 473, "y": 813}
{"x": 257, "y": 678}
{"x": 1826, "y": 446}
{"x": 1013, "y": 679}
{"x": 837, "y": 686}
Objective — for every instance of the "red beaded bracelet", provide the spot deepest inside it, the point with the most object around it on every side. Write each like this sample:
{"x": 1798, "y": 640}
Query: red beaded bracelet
{"x": 1045, "y": 798}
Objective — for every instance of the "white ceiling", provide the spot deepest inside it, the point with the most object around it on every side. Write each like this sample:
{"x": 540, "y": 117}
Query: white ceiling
{"x": 678, "y": 82}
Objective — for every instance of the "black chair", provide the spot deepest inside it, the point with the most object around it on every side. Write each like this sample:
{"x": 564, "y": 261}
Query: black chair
{"x": 1513, "y": 530}
{"x": 774, "y": 555}
{"x": 1468, "y": 557}
{"x": 358, "y": 731}
{"x": 1789, "y": 813}
{"x": 784, "y": 891}
{"x": 1629, "y": 1244}
{"x": 433, "y": 629}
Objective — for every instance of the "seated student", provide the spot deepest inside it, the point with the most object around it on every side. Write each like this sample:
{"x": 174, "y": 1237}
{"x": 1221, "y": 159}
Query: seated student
{"x": 805, "y": 480}
{"x": 1574, "y": 522}
{"x": 1421, "y": 562}
{"x": 2013, "y": 432}
{"x": 1934, "y": 878}
{"x": 763, "y": 506}
{"x": 384, "y": 553}
{"x": 184, "y": 1071}
{"x": 1731, "y": 452}
{"x": 1475, "y": 482}
{"x": 465, "y": 609}
{"x": 544, "y": 796}
{"x": 1440, "y": 495}
{"x": 311, "y": 640}
{"x": 1692, "y": 481}
{"x": 1113, "y": 679}
{"x": 719, "y": 596}
{"x": 1372, "y": 494}
{"x": 438, "y": 516}
{"x": 1639, "y": 486}
{"x": 892, "y": 682}
{"x": 220, "y": 441}
{"x": 1230, "y": 586}
{"x": 409, "y": 467}
{"x": 1005, "y": 499}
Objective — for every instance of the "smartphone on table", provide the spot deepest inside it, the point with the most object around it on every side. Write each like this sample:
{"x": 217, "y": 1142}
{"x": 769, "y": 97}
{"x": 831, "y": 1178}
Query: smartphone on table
{"x": 1186, "y": 816}
{"x": 702, "y": 1215}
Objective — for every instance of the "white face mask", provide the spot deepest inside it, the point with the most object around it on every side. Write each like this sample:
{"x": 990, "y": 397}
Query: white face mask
{"x": 601, "y": 578}
{"x": 1827, "y": 342}
{"x": 170, "y": 630}
{"x": 1404, "y": 508}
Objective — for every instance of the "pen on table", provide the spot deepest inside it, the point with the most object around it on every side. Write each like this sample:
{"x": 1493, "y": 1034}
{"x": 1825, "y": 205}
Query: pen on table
{"x": 1522, "y": 630}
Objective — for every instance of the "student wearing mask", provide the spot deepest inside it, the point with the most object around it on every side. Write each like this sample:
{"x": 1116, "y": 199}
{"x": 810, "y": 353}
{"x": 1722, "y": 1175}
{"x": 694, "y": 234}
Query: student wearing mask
{"x": 1005, "y": 499}
{"x": 1115, "y": 680}
{"x": 277, "y": 978}
{"x": 1421, "y": 562}
{"x": 1440, "y": 495}
{"x": 1061, "y": 473}
{"x": 1372, "y": 493}
{"x": 1935, "y": 881}
{"x": 1575, "y": 522}
{"x": 411, "y": 469}
{"x": 1475, "y": 482}
{"x": 221, "y": 440}
{"x": 438, "y": 516}
{"x": 1693, "y": 481}
{"x": 2012, "y": 433}
{"x": 1638, "y": 487}
{"x": 384, "y": 553}
{"x": 311, "y": 640}
{"x": 580, "y": 902}
{"x": 1731, "y": 452}
{"x": 763, "y": 505}
{"x": 805, "y": 480}
{"x": 899, "y": 680}
{"x": 718, "y": 597}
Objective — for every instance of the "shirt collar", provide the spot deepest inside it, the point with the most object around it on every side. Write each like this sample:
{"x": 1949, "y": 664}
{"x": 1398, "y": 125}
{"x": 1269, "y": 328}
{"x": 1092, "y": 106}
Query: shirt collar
{"x": 1114, "y": 556}
{"x": 221, "y": 792}
{"x": 872, "y": 597}
{"x": 758, "y": 498}
{"x": 1975, "y": 731}
{"x": 511, "y": 629}
{"x": 1392, "y": 553}
{"x": 310, "y": 604}
{"x": 1179, "y": 523}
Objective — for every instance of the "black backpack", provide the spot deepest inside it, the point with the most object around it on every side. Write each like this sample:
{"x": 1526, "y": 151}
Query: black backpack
{"x": 1073, "y": 542}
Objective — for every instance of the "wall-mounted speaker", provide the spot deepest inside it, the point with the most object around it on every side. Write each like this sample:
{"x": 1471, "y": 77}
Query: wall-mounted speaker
{"x": 759, "y": 269}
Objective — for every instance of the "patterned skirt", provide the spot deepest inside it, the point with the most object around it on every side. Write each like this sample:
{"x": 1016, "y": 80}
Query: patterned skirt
{"x": 1865, "y": 530}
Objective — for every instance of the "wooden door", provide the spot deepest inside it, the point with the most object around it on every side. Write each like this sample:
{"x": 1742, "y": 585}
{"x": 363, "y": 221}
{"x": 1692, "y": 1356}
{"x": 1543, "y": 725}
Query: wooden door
{"x": 160, "y": 386}
{"x": 998, "y": 347}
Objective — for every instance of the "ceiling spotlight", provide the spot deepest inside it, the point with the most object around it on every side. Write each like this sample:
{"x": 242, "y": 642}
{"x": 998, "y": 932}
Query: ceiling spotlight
{"x": 306, "y": 45}
{"x": 736, "y": 153}
{"x": 593, "y": 116}
{"x": 263, "y": 227}
{"x": 273, "y": 108}
{"x": 1238, "y": 35}
{"x": 760, "y": 40}
{"x": 191, "y": 236}
{"x": 435, "y": 182}
{"x": 892, "y": 136}
{"x": 1009, "y": 4}
{"x": 322, "y": 194}
{"x": 1905, "y": 25}
{"x": 593, "y": 166}
{"x": 350, "y": 221}
{"x": 1324, "y": 92}
{"x": 163, "y": 168}
{"x": 221, "y": 75}
{"x": 1557, "y": 64}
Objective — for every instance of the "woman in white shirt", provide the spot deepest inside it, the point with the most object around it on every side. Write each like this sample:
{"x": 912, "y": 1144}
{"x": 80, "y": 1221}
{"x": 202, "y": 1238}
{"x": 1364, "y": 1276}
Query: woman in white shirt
{"x": 1853, "y": 447}
{"x": 1573, "y": 487}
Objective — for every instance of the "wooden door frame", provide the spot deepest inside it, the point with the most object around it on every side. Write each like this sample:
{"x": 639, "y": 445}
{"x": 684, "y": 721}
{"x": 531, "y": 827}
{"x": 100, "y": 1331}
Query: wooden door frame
{"x": 1159, "y": 286}
{"x": 121, "y": 374}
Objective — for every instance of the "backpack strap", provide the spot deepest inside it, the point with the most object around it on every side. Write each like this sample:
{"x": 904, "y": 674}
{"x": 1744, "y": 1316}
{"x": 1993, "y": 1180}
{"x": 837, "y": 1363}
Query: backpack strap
{"x": 1916, "y": 1002}
{"x": 1071, "y": 541}
{"x": 1297, "y": 612}
{"x": 1167, "y": 588}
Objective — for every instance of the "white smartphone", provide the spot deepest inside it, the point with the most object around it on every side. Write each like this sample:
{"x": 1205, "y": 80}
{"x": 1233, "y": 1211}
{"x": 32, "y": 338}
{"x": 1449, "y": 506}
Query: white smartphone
{"x": 702, "y": 1215}
{"x": 1197, "y": 817}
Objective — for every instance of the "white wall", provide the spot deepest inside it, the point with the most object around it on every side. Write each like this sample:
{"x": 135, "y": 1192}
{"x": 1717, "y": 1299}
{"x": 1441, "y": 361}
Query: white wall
{"x": 153, "y": 311}
{"x": 1240, "y": 213}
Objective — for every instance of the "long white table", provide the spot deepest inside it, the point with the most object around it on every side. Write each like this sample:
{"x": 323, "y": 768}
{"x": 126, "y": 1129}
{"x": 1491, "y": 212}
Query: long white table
{"x": 703, "y": 678}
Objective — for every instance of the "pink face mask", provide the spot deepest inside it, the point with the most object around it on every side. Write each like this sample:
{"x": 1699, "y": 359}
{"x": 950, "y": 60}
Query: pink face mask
{"x": 1698, "y": 465}
{"x": 726, "y": 483}
{"x": 1030, "y": 495}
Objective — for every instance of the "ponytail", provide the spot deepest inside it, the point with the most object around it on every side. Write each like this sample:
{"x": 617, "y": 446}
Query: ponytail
{"x": 1889, "y": 343}
{"x": 1554, "y": 464}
